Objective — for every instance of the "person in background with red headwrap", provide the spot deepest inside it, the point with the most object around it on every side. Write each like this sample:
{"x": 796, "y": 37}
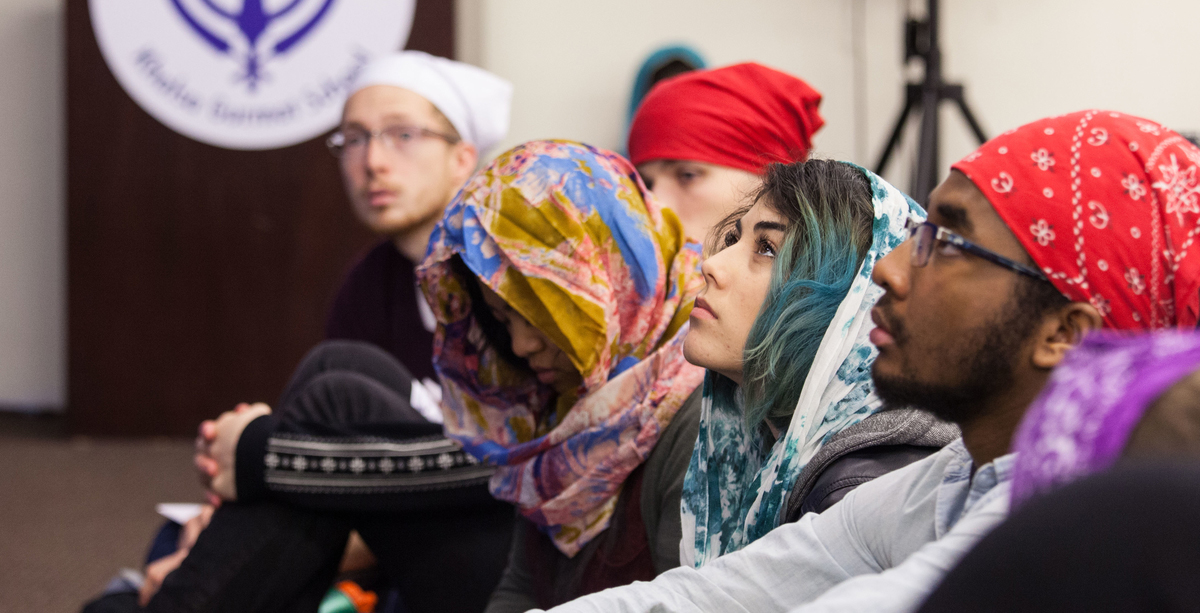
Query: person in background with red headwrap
{"x": 1063, "y": 226}
{"x": 701, "y": 140}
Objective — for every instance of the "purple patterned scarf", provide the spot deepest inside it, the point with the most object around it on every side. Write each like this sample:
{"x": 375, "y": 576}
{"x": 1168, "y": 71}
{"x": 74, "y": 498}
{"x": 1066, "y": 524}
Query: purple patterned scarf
{"x": 1082, "y": 420}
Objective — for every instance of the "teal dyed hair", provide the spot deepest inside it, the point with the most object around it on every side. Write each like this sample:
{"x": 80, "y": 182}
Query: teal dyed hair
{"x": 829, "y": 213}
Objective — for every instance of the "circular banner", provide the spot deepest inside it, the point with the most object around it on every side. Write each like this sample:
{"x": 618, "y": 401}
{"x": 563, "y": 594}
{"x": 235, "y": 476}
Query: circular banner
{"x": 245, "y": 74}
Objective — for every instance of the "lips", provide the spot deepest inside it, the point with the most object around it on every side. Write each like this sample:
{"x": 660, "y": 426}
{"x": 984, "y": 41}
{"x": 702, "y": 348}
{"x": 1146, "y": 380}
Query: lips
{"x": 882, "y": 334}
{"x": 701, "y": 310}
{"x": 380, "y": 197}
{"x": 546, "y": 376}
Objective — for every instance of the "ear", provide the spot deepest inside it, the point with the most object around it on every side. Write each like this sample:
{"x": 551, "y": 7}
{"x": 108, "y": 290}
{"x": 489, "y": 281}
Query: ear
{"x": 1062, "y": 330}
{"x": 464, "y": 159}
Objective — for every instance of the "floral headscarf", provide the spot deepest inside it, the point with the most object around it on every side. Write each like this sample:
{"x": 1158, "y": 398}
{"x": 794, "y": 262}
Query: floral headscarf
{"x": 735, "y": 488}
{"x": 1108, "y": 206}
{"x": 1082, "y": 420}
{"x": 569, "y": 237}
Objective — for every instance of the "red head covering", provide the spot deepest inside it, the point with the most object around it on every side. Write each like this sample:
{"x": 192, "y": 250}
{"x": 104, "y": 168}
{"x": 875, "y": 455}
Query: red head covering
{"x": 742, "y": 116}
{"x": 1108, "y": 206}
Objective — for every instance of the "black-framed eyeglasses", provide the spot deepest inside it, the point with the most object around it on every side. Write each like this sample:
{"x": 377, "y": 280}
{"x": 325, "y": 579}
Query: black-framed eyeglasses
{"x": 351, "y": 143}
{"x": 927, "y": 234}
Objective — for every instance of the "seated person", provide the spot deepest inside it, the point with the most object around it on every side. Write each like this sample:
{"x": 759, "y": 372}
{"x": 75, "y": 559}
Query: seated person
{"x": 562, "y": 299}
{"x": 1015, "y": 265}
{"x": 412, "y": 130}
{"x": 1114, "y": 396}
{"x": 1124, "y": 542}
{"x": 592, "y": 414}
{"x": 782, "y": 327}
{"x": 701, "y": 140}
{"x": 1121, "y": 541}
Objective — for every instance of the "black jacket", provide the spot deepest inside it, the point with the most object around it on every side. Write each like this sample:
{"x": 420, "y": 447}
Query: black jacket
{"x": 877, "y": 445}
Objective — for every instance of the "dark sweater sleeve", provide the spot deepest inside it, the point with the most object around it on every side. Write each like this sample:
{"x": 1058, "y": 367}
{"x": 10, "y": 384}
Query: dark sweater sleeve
{"x": 514, "y": 593}
{"x": 662, "y": 484}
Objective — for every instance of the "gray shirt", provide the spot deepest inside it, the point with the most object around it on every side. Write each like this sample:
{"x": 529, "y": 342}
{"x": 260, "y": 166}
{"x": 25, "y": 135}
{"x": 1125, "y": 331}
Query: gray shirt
{"x": 881, "y": 549}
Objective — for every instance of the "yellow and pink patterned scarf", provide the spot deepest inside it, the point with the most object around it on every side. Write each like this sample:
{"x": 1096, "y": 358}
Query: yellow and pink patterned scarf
{"x": 570, "y": 238}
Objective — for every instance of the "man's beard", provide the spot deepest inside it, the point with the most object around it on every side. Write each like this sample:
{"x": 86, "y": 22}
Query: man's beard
{"x": 985, "y": 373}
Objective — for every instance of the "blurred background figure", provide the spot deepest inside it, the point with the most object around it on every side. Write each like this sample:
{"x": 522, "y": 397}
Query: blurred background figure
{"x": 701, "y": 140}
{"x": 412, "y": 132}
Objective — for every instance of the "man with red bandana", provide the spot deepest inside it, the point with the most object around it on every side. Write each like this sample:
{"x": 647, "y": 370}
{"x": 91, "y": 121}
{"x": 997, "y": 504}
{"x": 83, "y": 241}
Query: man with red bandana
{"x": 701, "y": 140}
{"x": 1062, "y": 226}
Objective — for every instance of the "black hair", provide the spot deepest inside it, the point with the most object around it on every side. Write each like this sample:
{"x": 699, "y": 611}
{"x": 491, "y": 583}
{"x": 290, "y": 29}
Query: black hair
{"x": 495, "y": 333}
{"x": 1036, "y": 297}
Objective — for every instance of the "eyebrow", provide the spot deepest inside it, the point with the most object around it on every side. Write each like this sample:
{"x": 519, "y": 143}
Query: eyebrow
{"x": 389, "y": 119}
{"x": 955, "y": 217}
{"x": 770, "y": 225}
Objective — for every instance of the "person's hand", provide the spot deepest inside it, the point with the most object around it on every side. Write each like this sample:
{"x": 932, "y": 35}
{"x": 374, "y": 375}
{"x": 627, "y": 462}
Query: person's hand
{"x": 158, "y": 570}
{"x": 216, "y": 447}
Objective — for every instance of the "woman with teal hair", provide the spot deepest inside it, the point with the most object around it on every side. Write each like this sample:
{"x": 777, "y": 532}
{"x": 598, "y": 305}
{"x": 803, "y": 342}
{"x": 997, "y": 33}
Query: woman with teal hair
{"x": 789, "y": 420}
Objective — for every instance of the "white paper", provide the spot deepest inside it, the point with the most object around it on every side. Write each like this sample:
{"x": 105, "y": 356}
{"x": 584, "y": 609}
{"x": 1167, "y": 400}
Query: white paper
{"x": 426, "y": 398}
{"x": 178, "y": 512}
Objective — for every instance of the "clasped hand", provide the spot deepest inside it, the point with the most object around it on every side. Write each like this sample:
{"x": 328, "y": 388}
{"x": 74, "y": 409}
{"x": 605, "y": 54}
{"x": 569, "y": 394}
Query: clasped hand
{"x": 216, "y": 450}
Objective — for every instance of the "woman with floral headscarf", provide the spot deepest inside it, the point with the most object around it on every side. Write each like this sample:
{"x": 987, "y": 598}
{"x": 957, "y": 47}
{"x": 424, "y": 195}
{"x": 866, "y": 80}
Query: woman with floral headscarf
{"x": 562, "y": 293}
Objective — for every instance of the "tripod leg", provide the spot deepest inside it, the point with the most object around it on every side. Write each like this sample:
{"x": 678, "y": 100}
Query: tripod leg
{"x": 910, "y": 101}
{"x": 968, "y": 115}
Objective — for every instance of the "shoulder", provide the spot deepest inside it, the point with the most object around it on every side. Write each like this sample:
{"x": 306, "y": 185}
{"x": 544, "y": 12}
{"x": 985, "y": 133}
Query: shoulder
{"x": 381, "y": 261}
{"x": 668, "y": 461}
{"x": 381, "y": 258}
{"x": 913, "y": 487}
{"x": 856, "y": 468}
{"x": 881, "y": 443}
{"x": 680, "y": 434}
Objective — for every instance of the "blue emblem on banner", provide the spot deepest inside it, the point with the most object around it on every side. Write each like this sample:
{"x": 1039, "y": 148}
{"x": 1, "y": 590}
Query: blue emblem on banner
{"x": 252, "y": 20}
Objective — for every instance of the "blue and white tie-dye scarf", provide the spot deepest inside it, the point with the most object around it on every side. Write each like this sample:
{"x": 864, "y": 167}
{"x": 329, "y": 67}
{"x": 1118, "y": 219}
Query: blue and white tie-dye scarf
{"x": 735, "y": 489}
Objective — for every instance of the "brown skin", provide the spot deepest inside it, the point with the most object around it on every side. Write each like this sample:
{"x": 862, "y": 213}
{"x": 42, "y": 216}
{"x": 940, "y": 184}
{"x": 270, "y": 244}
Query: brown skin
{"x": 1171, "y": 426}
{"x": 955, "y": 296}
{"x": 702, "y": 194}
{"x": 157, "y": 571}
{"x": 552, "y": 365}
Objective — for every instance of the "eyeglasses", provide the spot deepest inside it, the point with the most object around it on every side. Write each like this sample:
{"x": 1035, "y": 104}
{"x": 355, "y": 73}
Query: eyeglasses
{"x": 353, "y": 143}
{"x": 927, "y": 233}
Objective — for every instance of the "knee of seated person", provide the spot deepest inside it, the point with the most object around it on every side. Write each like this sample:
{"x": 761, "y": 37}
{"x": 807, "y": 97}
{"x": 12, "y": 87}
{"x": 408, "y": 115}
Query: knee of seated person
{"x": 1171, "y": 425}
{"x": 339, "y": 350}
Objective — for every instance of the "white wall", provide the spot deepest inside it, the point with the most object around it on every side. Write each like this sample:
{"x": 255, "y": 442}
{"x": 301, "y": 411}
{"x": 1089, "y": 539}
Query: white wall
{"x": 573, "y": 62}
{"x": 32, "y": 197}
{"x": 1027, "y": 59}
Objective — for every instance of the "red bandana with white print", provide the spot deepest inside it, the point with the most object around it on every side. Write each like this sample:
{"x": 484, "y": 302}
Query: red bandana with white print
{"x": 1108, "y": 206}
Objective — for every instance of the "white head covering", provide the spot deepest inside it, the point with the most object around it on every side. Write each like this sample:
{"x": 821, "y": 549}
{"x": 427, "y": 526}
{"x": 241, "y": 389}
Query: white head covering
{"x": 476, "y": 102}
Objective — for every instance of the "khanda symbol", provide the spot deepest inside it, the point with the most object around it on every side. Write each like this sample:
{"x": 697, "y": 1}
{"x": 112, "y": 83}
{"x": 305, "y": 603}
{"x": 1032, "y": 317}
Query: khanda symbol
{"x": 252, "y": 21}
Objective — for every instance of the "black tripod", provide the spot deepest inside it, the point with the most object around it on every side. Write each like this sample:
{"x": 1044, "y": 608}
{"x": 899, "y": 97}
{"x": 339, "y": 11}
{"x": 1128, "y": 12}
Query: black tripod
{"x": 921, "y": 41}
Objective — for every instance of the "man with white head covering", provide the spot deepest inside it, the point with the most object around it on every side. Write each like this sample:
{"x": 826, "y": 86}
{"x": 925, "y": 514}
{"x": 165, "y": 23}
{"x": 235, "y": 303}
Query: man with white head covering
{"x": 412, "y": 131}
